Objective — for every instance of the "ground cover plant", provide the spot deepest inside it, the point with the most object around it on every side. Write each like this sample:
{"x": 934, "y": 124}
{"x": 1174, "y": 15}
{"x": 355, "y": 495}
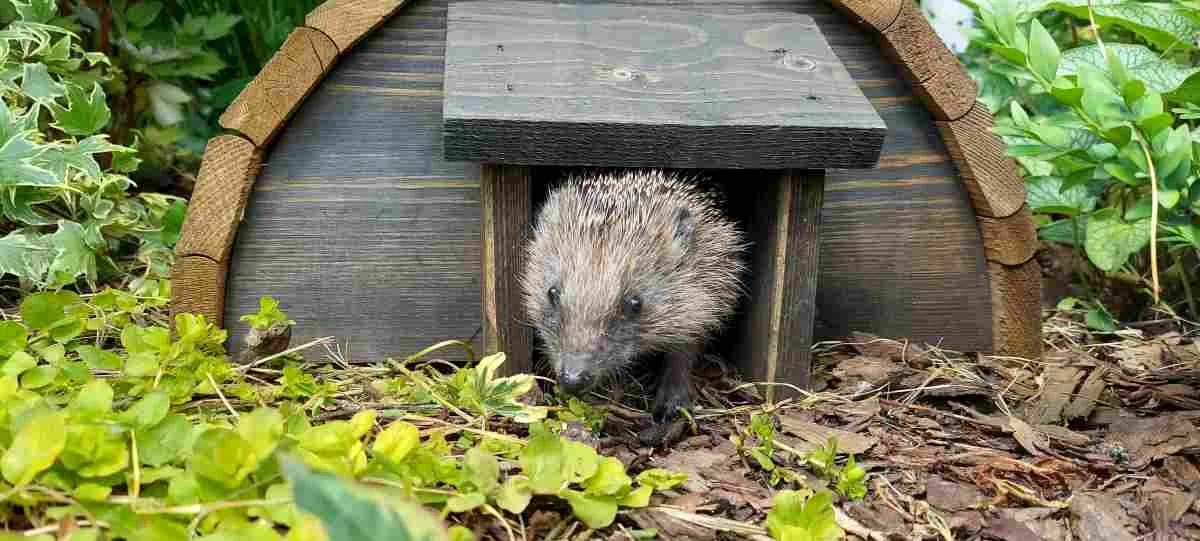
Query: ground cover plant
{"x": 1097, "y": 100}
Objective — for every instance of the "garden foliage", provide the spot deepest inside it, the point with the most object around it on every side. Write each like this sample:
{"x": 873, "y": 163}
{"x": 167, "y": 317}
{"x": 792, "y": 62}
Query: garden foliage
{"x": 1102, "y": 123}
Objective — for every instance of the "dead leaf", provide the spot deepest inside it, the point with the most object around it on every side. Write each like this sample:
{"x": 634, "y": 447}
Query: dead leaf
{"x": 1148, "y": 439}
{"x": 860, "y": 374}
{"x": 1056, "y": 393}
{"x": 1025, "y": 435}
{"x": 1181, "y": 469}
{"x": 816, "y": 435}
{"x": 1098, "y": 517}
{"x": 1142, "y": 357}
{"x": 1007, "y": 529}
{"x": 1089, "y": 394}
{"x": 951, "y": 496}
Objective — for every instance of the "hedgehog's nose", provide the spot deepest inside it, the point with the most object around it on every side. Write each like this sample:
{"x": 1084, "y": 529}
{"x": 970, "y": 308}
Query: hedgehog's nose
{"x": 573, "y": 379}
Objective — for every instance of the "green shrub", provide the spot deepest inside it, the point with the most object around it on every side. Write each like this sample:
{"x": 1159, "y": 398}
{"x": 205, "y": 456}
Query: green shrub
{"x": 1103, "y": 127}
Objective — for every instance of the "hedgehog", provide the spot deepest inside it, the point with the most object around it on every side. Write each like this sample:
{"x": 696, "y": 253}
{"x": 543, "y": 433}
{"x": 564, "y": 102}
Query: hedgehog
{"x": 631, "y": 265}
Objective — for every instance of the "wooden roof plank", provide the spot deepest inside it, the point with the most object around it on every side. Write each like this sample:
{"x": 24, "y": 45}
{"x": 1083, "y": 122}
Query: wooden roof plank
{"x": 222, "y": 190}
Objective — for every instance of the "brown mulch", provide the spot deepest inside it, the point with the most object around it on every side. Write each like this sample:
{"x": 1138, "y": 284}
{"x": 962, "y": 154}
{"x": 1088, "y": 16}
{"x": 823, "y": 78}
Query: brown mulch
{"x": 1097, "y": 441}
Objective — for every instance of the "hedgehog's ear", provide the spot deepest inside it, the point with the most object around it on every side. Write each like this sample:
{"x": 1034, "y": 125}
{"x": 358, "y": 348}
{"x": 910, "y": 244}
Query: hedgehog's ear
{"x": 684, "y": 226}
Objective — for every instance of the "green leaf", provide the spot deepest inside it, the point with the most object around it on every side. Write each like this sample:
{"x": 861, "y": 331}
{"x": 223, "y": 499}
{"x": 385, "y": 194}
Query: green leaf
{"x": 39, "y": 376}
{"x": 1100, "y": 320}
{"x": 13, "y": 338}
{"x": 268, "y": 315}
{"x": 38, "y": 86}
{"x": 596, "y": 512}
{"x": 396, "y": 441}
{"x": 1111, "y": 241}
{"x": 85, "y": 113}
{"x": 483, "y": 469}
{"x": 165, "y": 442}
{"x": 41, "y": 311}
{"x": 35, "y": 447}
{"x": 1043, "y": 52}
{"x": 581, "y": 461}
{"x": 465, "y": 502}
{"x": 793, "y": 517}
{"x": 148, "y": 411}
{"x": 94, "y": 399}
{"x": 25, "y": 256}
{"x": 18, "y": 363}
{"x": 36, "y": 11}
{"x": 351, "y": 513}
{"x": 92, "y": 492}
{"x": 17, "y": 167}
{"x": 72, "y": 255}
{"x": 1045, "y": 195}
{"x": 98, "y": 359}
{"x": 639, "y": 497}
{"x": 1163, "y": 24}
{"x": 661, "y": 479}
{"x": 610, "y": 478}
{"x": 262, "y": 429}
{"x": 542, "y": 460}
{"x": 142, "y": 14}
{"x": 219, "y": 25}
{"x": 514, "y": 495}
{"x": 1160, "y": 75}
{"x": 222, "y": 456}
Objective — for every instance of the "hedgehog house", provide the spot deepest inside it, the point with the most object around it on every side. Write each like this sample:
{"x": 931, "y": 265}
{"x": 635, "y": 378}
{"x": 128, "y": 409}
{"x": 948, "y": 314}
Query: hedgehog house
{"x": 383, "y": 169}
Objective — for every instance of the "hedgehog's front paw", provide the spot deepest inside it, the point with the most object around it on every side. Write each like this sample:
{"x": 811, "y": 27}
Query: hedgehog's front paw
{"x": 671, "y": 400}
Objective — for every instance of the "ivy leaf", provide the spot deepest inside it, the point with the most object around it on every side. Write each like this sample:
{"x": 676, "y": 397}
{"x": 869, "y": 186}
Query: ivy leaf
{"x": 36, "y": 11}
{"x": 1160, "y": 75}
{"x": 85, "y": 114}
{"x": 24, "y": 255}
{"x": 1111, "y": 240}
{"x": 596, "y": 512}
{"x": 72, "y": 256}
{"x": 17, "y": 167}
{"x": 38, "y": 86}
{"x": 36, "y": 446}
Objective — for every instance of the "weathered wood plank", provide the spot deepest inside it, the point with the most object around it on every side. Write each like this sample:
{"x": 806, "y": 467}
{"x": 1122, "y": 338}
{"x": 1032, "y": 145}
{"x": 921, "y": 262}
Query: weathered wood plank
{"x": 1011, "y": 240}
{"x": 198, "y": 287}
{"x": 1016, "y": 309}
{"x": 506, "y": 199}
{"x": 913, "y": 43}
{"x": 347, "y": 22}
{"x": 991, "y": 177}
{"x": 215, "y": 208}
{"x": 774, "y": 333}
{"x": 266, "y": 104}
{"x": 637, "y": 86}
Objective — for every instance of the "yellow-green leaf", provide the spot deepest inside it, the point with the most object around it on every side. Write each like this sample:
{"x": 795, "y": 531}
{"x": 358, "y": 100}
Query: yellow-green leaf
{"x": 37, "y": 445}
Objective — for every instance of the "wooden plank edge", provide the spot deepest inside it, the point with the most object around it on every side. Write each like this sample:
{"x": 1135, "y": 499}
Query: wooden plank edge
{"x": 268, "y": 102}
{"x": 996, "y": 187}
{"x": 347, "y": 22}
{"x": 1016, "y": 309}
{"x": 1011, "y": 240}
{"x": 208, "y": 231}
{"x": 875, "y": 14}
{"x": 198, "y": 287}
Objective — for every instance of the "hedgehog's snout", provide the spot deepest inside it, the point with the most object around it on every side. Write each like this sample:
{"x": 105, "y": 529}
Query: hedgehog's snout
{"x": 575, "y": 372}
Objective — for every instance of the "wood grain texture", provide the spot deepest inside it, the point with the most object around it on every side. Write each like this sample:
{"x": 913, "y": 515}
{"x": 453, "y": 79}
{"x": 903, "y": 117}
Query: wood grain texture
{"x": 991, "y": 177}
{"x": 877, "y": 14}
{"x": 346, "y": 22}
{"x": 647, "y": 86}
{"x": 364, "y": 232}
{"x": 198, "y": 287}
{"x": 775, "y": 327}
{"x": 950, "y": 94}
{"x": 215, "y": 208}
{"x": 1011, "y": 240}
{"x": 1017, "y": 327}
{"x": 912, "y": 42}
{"x": 266, "y": 104}
{"x": 506, "y": 198}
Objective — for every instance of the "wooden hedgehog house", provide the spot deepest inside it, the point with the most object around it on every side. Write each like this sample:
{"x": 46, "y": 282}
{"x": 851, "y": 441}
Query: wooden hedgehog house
{"x": 381, "y": 173}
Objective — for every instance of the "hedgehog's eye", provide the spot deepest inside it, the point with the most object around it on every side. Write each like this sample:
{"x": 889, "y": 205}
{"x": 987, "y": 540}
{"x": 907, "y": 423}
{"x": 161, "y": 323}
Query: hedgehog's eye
{"x": 633, "y": 305}
{"x": 553, "y": 294}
